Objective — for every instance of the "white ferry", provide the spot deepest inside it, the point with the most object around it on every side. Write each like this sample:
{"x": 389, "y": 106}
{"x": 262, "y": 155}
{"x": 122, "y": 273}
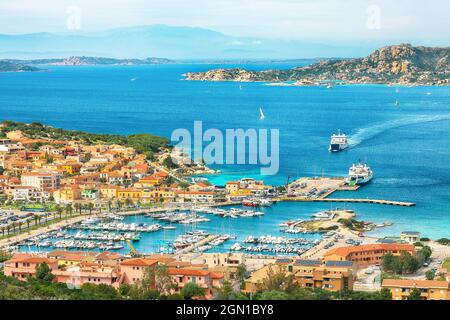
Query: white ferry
{"x": 359, "y": 174}
{"x": 338, "y": 142}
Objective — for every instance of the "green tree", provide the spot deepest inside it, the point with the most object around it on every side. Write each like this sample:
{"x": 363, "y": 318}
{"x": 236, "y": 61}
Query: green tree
{"x": 273, "y": 295}
{"x": 277, "y": 279}
{"x": 168, "y": 163}
{"x": 414, "y": 294}
{"x": 43, "y": 272}
{"x": 192, "y": 290}
{"x": 385, "y": 294}
{"x": 430, "y": 274}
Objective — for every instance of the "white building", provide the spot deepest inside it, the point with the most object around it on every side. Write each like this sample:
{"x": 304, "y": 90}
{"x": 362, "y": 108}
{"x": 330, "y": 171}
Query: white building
{"x": 26, "y": 193}
{"x": 41, "y": 181}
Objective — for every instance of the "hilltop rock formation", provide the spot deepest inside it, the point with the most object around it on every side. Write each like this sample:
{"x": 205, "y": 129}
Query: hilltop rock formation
{"x": 399, "y": 64}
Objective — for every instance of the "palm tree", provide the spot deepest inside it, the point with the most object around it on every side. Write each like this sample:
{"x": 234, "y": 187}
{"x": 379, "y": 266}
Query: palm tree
{"x": 28, "y": 223}
{"x": 59, "y": 211}
{"x": 77, "y": 207}
{"x": 69, "y": 210}
{"x": 14, "y": 225}
{"x": 8, "y": 228}
{"x": 35, "y": 218}
{"x": 3, "y": 230}
{"x": 90, "y": 206}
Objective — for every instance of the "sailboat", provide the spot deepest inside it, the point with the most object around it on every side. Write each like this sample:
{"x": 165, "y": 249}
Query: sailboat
{"x": 397, "y": 103}
{"x": 261, "y": 114}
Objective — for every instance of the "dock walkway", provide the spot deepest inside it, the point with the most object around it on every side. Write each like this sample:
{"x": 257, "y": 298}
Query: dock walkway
{"x": 351, "y": 200}
{"x": 202, "y": 242}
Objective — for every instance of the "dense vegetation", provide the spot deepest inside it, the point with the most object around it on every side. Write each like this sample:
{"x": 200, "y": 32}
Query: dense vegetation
{"x": 353, "y": 224}
{"x": 143, "y": 143}
{"x": 405, "y": 263}
{"x": 157, "y": 284}
{"x": 444, "y": 241}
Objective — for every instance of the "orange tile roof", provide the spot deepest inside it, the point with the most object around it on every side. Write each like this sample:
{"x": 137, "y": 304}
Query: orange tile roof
{"x": 139, "y": 262}
{"x": 31, "y": 259}
{"x": 188, "y": 272}
{"x": 195, "y": 192}
{"x": 345, "y": 251}
{"x": 406, "y": 283}
{"x": 216, "y": 275}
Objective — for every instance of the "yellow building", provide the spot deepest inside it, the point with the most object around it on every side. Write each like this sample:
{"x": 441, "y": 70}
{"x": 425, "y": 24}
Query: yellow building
{"x": 132, "y": 194}
{"x": 71, "y": 168}
{"x": 232, "y": 186}
{"x": 67, "y": 194}
{"x": 67, "y": 258}
{"x": 429, "y": 289}
{"x": 156, "y": 195}
{"x": 109, "y": 191}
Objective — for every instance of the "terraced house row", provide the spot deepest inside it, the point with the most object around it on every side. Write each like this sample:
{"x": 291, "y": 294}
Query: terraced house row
{"x": 78, "y": 268}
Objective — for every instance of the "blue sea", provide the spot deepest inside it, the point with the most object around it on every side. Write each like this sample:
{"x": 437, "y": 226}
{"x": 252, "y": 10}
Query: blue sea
{"x": 407, "y": 145}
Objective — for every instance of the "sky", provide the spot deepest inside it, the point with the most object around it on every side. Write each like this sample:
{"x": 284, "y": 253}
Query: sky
{"x": 415, "y": 21}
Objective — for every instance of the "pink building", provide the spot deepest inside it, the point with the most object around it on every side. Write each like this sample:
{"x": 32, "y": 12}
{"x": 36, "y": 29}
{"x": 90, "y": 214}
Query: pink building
{"x": 76, "y": 276}
{"x": 132, "y": 270}
{"x": 23, "y": 265}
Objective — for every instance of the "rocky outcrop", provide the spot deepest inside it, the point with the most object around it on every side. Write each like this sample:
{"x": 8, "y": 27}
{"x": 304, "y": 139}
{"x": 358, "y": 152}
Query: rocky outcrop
{"x": 399, "y": 64}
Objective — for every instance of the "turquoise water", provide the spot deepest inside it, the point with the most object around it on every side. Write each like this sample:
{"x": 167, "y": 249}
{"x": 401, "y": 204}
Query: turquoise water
{"x": 406, "y": 146}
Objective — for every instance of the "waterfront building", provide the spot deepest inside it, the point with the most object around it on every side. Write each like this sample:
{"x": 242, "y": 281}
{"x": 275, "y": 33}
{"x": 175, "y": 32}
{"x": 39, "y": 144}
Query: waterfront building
{"x": 232, "y": 186}
{"x": 157, "y": 195}
{"x": 90, "y": 194}
{"x": 195, "y": 196}
{"x": 368, "y": 254}
{"x": 132, "y": 194}
{"x": 108, "y": 191}
{"x": 429, "y": 289}
{"x": 67, "y": 194}
{"x": 410, "y": 236}
{"x": 26, "y": 193}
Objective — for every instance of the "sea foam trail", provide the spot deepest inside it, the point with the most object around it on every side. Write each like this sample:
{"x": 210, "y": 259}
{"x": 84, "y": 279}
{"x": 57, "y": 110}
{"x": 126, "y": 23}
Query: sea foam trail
{"x": 369, "y": 132}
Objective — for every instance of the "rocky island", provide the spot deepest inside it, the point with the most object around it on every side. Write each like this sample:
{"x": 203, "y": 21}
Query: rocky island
{"x": 399, "y": 64}
{"x": 6, "y": 66}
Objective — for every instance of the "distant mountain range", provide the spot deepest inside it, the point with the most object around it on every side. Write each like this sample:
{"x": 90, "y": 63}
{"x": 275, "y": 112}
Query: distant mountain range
{"x": 166, "y": 41}
{"x": 399, "y": 64}
{"x": 88, "y": 61}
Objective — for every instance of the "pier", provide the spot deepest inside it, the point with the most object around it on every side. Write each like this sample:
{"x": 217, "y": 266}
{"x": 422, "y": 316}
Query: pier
{"x": 202, "y": 242}
{"x": 350, "y": 200}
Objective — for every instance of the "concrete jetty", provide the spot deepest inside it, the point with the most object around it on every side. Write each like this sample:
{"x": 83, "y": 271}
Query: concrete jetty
{"x": 351, "y": 200}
